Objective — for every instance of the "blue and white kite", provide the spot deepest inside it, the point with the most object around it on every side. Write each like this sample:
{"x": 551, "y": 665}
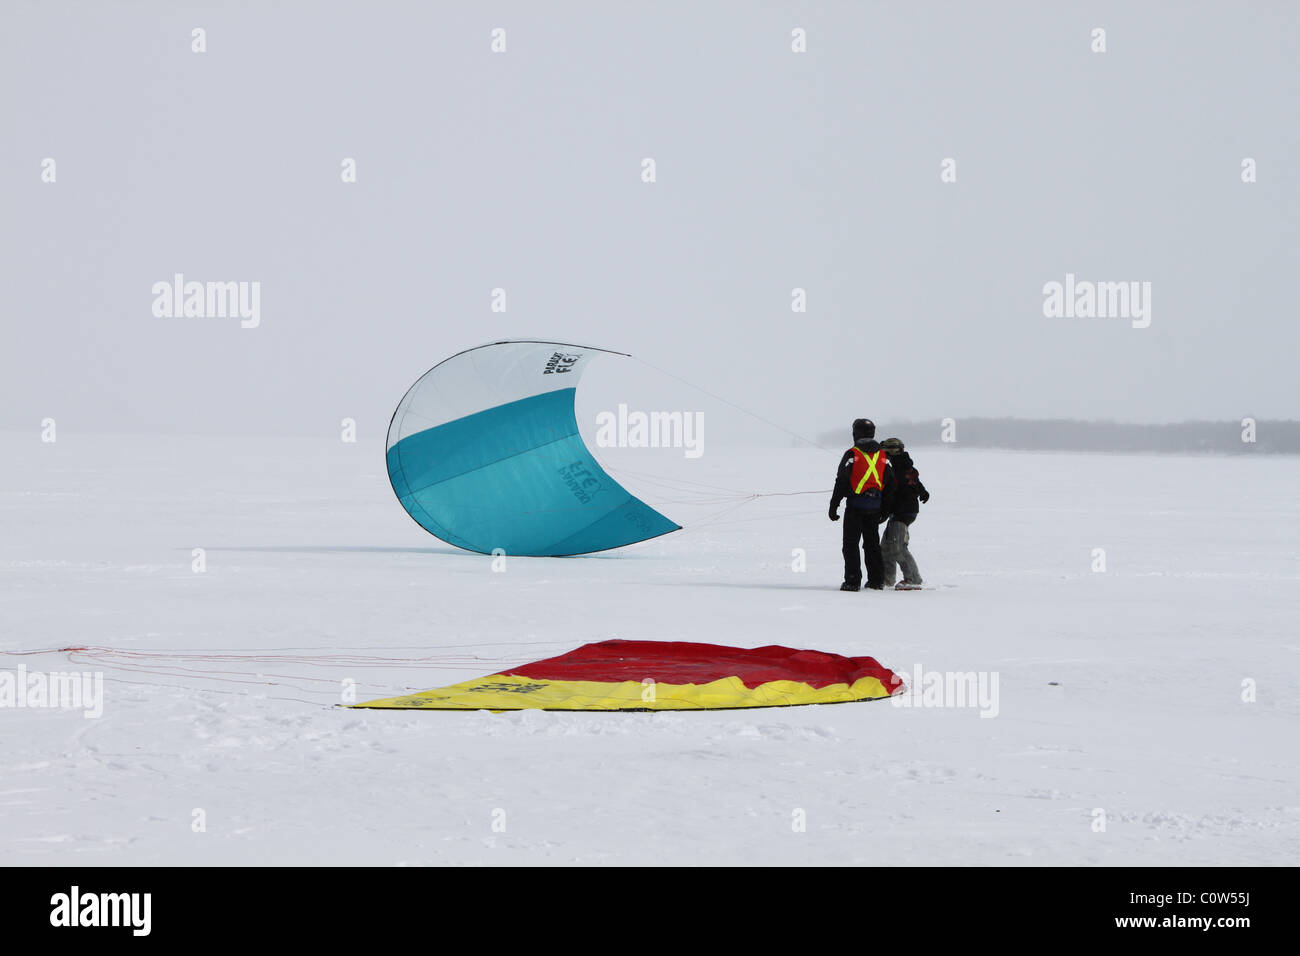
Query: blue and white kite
{"x": 484, "y": 453}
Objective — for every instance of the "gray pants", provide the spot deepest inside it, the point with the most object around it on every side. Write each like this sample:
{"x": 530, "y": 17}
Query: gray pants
{"x": 893, "y": 547}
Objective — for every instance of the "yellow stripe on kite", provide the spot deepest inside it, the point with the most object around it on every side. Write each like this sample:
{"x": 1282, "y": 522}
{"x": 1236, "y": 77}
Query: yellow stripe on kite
{"x": 511, "y": 692}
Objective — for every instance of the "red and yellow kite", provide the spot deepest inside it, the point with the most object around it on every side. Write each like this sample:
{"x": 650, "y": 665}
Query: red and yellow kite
{"x": 662, "y": 675}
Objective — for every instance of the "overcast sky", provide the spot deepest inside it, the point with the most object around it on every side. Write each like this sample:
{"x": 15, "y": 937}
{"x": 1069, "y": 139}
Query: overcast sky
{"x": 775, "y": 170}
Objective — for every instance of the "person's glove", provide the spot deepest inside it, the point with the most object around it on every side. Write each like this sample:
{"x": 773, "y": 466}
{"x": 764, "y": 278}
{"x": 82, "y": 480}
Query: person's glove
{"x": 925, "y": 497}
{"x": 834, "y": 515}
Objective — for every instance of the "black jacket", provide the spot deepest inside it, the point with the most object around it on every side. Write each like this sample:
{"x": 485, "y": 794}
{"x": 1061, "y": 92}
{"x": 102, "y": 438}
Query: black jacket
{"x": 909, "y": 492}
{"x": 843, "y": 488}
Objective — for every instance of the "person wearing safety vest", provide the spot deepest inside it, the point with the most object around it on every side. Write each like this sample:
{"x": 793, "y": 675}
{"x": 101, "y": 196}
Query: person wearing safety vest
{"x": 866, "y": 480}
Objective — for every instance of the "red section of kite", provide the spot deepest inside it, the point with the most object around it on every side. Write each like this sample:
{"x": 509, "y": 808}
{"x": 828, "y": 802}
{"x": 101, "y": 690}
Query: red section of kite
{"x": 680, "y": 662}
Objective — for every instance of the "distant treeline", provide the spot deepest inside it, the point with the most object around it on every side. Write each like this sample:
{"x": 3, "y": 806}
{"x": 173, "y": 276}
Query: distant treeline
{"x": 1271, "y": 437}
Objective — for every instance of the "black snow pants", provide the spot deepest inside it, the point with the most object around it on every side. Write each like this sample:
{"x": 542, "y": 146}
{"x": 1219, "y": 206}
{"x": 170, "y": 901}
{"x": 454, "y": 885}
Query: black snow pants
{"x": 863, "y": 526}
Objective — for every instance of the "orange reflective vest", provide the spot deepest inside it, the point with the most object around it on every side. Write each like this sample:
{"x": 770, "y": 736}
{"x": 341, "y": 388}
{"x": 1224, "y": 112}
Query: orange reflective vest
{"x": 868, "y": 471}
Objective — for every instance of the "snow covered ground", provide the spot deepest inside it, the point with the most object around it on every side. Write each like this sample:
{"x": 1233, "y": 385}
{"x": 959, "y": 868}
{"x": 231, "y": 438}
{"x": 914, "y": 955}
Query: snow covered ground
{"x": 1120, "y": 693}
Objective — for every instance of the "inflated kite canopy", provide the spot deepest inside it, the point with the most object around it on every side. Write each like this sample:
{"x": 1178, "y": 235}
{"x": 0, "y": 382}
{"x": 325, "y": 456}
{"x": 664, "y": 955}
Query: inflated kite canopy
{"x": 484, "y": 453}
{"x": 617, "y": 675}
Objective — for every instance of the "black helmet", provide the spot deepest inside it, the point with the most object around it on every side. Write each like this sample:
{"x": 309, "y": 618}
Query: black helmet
{"x": 892, "y": 446}
{"x": 863, "y": 428}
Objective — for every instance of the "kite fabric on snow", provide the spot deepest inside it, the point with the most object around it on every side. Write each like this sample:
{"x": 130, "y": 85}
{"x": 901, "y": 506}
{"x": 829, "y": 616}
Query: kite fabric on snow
{"x": 664, "y": 675}
{"x": 484, "y": 452}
